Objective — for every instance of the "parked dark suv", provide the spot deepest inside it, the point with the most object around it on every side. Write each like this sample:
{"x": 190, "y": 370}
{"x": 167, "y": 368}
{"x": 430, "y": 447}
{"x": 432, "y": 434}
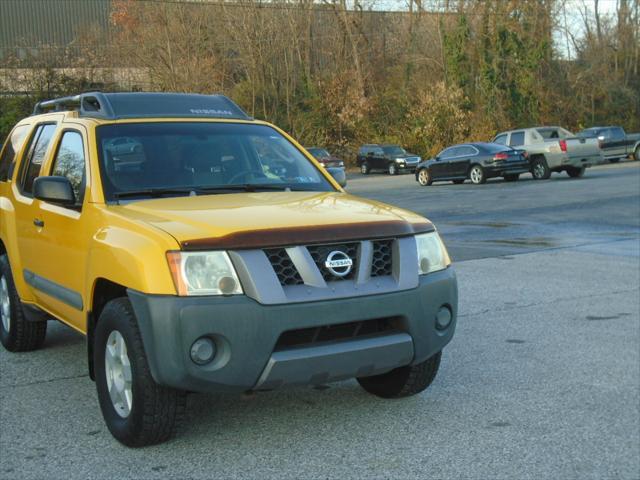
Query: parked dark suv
{"x": 389, "y": 158}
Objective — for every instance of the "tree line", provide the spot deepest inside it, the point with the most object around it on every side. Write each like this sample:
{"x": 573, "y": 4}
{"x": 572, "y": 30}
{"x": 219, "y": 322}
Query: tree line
{"x": 337, "y": 75}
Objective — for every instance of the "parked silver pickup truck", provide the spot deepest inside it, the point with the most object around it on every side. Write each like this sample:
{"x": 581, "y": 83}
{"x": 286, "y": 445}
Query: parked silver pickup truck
{"x": 553, "y": 149}
{"x": 615, "y": 142}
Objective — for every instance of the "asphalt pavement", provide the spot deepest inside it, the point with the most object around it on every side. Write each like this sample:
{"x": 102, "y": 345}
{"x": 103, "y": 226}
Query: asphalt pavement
{"x": 542, "y": 379}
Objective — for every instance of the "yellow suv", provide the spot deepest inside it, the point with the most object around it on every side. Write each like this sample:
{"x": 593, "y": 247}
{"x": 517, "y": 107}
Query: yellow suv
{"x": 200, "y": 250}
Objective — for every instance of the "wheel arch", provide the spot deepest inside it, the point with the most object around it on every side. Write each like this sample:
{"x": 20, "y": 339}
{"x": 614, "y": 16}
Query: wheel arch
{"x": 104, "y": 291}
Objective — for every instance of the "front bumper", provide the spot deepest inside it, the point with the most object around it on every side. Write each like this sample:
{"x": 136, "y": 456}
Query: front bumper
{"x": 246, "y": 334}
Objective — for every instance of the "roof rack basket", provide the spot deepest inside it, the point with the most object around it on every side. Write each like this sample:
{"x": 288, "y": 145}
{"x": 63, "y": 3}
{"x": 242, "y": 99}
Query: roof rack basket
{"x": 115, "y": 106}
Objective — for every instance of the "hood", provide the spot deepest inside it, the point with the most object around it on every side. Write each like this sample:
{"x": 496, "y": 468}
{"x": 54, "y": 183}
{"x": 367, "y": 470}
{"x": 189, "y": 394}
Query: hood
{"x": 249, "y": 220}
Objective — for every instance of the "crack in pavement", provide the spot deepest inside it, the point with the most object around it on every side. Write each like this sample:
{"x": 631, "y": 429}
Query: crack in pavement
{"x": 4, "y": 387}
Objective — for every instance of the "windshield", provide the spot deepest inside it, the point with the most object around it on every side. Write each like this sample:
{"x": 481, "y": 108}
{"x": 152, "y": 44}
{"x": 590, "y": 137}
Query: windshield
{"x": 189, "y": 157}
{"x": 394, "y": 150}
{"x": 319, "y": 153}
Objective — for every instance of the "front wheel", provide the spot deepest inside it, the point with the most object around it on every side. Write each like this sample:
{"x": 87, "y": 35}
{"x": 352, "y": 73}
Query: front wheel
{"x": 476, "y": 175}
{"x": 364, "y": 168}
{"x": 393, "y": 169}
{"x": 403, "y": 381}
{"x": 540, "y": 170}
{"x": 17, "y": 334}
{"x": 424, "y": 177}
{"x": 511, "y": 178}
{"x": 137, "y": 411}
{"x": 575, "y": 172}
{"x": 636, "y": 154}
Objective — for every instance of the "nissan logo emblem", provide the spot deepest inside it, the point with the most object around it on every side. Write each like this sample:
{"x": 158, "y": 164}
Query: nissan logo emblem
{"x": 338, "y": 263}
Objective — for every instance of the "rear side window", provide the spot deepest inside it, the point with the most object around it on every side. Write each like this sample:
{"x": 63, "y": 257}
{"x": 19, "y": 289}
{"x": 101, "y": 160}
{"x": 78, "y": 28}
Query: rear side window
{"x": 617, "y": 133}
{"x": 517, "y": 139}
{"x": 501, "y": 139}
{"x": 70, "y": 163}
{"x": 35, "y": 156}
{"x": 12, "y": 147}
{"x": 467, "y": 151}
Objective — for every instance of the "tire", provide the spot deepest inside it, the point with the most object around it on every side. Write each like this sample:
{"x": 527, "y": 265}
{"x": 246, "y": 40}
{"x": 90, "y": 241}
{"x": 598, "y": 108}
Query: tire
{"x": 17, "y": 334}
{"x": 392, "y": 169}
{"x": 403, "y": 381}
{"x": 540, "y": 170}
{"x": 424, "y": 177}
{"x": 477, "y": 175}
{"x": 636, "y": 154}
{"x": 143, "y": 413}
{"x": 459, "y": 182}
{"x": 575, "y": 172}
{"x": 614, "y": 160}
{"x": 364, "y": 168}
{"x": 512, "y": 178}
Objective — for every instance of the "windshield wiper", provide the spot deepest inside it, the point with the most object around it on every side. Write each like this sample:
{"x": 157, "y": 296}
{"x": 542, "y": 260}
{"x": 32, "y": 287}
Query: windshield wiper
{"x": 244, "y": 187}
{"x": 154, "y": 192}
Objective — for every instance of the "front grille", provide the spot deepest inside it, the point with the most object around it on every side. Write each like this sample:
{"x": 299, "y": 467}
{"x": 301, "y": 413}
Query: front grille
{"x": 283, "y": 266}
{"x": 310, "y": 336}
{"x": 382, "y": 262}
{"x": 319, "y": 253}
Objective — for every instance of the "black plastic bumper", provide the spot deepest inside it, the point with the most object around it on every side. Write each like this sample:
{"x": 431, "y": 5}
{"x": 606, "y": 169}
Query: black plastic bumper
{"x": 246, "y": 333}
{"x": 500, "y": 169}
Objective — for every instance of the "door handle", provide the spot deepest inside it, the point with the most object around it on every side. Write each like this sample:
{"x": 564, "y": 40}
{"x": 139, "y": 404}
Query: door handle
{"x": 38, "y": 223}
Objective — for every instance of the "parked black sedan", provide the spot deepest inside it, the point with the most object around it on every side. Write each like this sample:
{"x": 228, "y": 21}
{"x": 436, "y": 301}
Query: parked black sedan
{"x": 473, "y": 161}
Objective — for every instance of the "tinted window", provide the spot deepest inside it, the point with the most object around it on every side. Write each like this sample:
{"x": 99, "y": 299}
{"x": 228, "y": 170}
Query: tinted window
{"x": 616, "y": 133}
{"x": 318, "y": 152}
{"x": 70, "y": 163}
{"x": 501, "y": 139}
{"x": 37, "y": 151}
{"x": 548, "y": 133}
{"x": 186, "y": 155}
{"x": 449, "y": 152}
{"x": 517, "y": 139}
{"x": 13, "y": 145}
{"x": 494, "y": 147}
{"x": 466, "y": 151}
{"x": 394, "y": 150}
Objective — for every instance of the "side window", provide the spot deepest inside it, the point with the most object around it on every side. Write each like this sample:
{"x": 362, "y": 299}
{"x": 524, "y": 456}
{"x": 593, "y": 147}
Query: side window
{"x": 517, "y": 139}
{"x": 617, "y": 133}
{"x": 70, "y": 163}
{"x": 501, "y": 139}
{"x": 13, "y": 145}
{"x": 467, "y": 151}
{"x": 37, "y": 151}
{"x": 378, "y": 152}
{"x": 449, "y": 152}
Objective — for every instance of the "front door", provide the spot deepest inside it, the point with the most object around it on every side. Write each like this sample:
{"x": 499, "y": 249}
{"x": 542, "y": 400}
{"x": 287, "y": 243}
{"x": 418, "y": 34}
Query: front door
{"x": 459, "y": 165}
{"x": 63, "y": 241}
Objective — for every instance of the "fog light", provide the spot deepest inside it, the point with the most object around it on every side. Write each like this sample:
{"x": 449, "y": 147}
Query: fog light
{"x": 203, "y": 350}
{"x": 443, "y": 318}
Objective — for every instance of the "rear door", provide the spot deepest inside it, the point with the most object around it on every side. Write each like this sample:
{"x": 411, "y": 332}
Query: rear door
{"x": 617, "y": 142}
{"x": 378, "y": 158}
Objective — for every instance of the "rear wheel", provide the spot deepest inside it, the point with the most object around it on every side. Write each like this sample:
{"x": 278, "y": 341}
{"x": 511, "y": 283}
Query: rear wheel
{"x": 137, "y": 410}
{"x": 424, "y": 177}
{"x": 393, "y": 169}
{"x": 17, "y": 334}
{"x": 364, "y": 168}
{"x": 403, "y": 381}
{"x": 511, "y": 178}
{"x": 575, "y": 172}
{"x": 636, "y": 154}
{"x": 540, "y": 170}
{"x": 476, "y": 175}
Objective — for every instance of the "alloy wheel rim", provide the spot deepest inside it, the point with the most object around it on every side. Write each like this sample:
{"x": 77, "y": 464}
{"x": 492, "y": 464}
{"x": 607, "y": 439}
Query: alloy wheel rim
{"x": 637, "y": 154}
{"x": 363, "y": 168}
{"x": 424, "y": 177}
{"x": 392, "y": 169}
{"x": 5, "y": 304}
{"x": 118, "y": 373}
{"x": 476, "y": 175}
{"x": 539, "y": 170}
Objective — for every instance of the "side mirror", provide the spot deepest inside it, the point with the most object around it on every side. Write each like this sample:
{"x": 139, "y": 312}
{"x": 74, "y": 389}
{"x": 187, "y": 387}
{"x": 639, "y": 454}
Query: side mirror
{"x": 56, "y": 190}
{"x": 338, "y": 175}
{"x": 436, "y": 158}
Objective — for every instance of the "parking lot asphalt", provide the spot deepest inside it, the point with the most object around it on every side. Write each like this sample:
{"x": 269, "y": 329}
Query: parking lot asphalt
{"x": 542, "y": 379}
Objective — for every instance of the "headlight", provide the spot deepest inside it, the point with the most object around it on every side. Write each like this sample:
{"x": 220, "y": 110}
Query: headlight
{"x": 400, "y": 160}
{"x": 432, "y": 254}
{"x": 203, "y": 273}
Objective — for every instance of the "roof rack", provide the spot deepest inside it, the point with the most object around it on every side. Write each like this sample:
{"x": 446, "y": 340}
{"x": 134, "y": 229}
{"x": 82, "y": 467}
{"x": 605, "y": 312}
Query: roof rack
{"x": 115, "y": 106}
